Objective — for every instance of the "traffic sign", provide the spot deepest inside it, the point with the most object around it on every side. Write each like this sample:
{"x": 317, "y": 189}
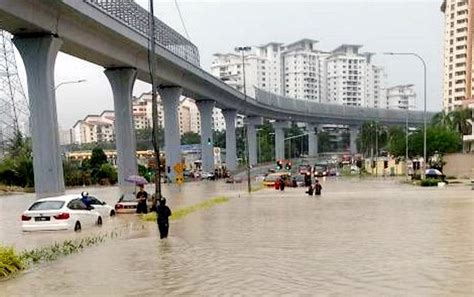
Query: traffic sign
{"x": 179, "y": 179}
{"x": 178, "y": 168}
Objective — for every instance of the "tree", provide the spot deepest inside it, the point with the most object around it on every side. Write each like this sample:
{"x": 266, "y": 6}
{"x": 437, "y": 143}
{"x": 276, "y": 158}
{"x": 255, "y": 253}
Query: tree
{"x": 459, "y": 121}
{"x": 324, "y": 142}
{"x": 397, "y": 141}
{"x": 190, "y": 138}
{"x": 16, "y": 168}
{"x": 266, "y": 142}
{"x": 98, "y": 157}
{"x": 439, "y": 139}
{"x": 107, "y": 174}
{"x": 144, "y": 138}
{"x": 219, "y": 138}
{"x": 293, "y": 146}
{"x": 372, "y": 136}
{"x": 442, "y": 119}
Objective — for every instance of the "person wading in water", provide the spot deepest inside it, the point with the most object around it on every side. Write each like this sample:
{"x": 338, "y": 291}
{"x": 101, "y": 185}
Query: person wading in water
{"x": 163, "y": 212}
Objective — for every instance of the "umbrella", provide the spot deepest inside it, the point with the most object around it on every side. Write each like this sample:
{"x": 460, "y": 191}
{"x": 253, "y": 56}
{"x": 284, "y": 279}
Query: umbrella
{"x": 136, "y": 179}
{"x": 433, "y": 172}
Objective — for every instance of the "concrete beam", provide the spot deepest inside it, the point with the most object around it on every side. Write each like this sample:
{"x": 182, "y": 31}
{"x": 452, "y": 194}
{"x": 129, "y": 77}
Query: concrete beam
{"x": 39, "y": 56}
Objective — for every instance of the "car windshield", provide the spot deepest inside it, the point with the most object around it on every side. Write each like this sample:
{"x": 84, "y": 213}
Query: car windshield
{"x": 47, "y": 205}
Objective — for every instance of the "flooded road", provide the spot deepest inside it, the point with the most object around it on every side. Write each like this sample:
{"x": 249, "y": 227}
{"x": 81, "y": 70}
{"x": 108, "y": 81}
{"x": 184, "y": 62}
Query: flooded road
{"x": 370, "y": 238}
{"x": 11, "y": 208}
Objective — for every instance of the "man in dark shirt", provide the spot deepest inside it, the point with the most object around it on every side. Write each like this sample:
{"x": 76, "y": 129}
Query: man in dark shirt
{"x": 142, "y": 196}
{"x": 162, "y": 214}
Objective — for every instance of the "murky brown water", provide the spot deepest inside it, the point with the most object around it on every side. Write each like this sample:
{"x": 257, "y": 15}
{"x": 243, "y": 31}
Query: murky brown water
{"x": 374, "y": 238}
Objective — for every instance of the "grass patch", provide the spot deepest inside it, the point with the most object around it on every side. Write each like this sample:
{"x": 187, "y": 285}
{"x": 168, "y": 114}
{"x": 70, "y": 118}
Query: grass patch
{"x": 182, "y": 212}
{"x": 10, "y": 262}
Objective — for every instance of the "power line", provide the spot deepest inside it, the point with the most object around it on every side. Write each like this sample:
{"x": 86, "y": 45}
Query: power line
{"x": 181, "y": 18}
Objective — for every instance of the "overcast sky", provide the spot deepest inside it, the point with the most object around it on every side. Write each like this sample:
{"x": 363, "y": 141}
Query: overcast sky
{"x": 218, "y": 26}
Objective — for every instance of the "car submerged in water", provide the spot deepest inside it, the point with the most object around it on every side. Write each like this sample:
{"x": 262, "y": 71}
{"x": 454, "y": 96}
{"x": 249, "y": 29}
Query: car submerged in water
{"x": 65, "y": 212}
{"x": 127, "y": 203}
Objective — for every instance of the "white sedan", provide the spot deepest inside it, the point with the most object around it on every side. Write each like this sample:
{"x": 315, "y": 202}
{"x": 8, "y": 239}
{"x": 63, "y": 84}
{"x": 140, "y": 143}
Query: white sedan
{"x": 59, "y": 213}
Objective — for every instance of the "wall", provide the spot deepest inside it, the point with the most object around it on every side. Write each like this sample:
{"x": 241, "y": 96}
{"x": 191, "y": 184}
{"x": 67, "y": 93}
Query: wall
{"x": 459, "y": 165}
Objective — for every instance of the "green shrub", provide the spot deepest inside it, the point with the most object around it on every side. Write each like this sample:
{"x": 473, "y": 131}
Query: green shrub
{"x": 429, "y": 182}
{"x": 10, "y": 262}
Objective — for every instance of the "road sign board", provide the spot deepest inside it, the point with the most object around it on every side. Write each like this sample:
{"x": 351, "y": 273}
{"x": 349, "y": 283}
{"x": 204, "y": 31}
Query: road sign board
{"x": 178, "y": 168}
{"x": 179, "y": 179}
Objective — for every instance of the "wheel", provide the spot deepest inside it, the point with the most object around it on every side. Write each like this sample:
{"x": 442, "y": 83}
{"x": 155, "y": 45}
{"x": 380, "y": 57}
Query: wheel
{"x": 112, "y": 213}
{"x": 99, "y": 221}
{"x": 77, "y": 227}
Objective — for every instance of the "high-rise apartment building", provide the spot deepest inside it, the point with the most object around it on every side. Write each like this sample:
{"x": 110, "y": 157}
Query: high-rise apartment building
{"x": 262, "y": 69}
{"x": 301, "y": 70}
{"x": 304, "y": 68}
{"x": 458, "y": 47}
{"x": 401, "y": 97}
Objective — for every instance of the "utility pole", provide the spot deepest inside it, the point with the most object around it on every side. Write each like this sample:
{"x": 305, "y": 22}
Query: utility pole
{"x": 244, "y": 49}
{"x": 154, "y": 102}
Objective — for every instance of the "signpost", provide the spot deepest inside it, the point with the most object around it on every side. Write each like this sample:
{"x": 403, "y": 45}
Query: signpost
{"x": 179, "y": 169}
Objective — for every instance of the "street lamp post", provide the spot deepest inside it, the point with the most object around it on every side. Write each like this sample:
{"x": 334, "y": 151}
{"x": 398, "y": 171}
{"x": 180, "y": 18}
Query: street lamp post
{"x": 424, "y": 102}
{"x": 69, "y": 82}
{"x": 242, "y": 50}
{"x": 406, "y": 145}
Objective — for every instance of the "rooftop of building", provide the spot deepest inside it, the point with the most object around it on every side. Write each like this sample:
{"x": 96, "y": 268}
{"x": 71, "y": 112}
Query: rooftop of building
{"x": 344, "y": 47}
{"x": 443, "y": 6}
{"x": 401, "y": 86}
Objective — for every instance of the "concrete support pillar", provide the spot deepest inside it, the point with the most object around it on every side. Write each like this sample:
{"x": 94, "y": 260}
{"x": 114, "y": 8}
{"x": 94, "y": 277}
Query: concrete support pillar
{"x": 39, "y": 55}
{"x": 279, "y": 127}
{"x": 353, "y": 130}
{"x": 122, "y": 81}
{"x": 170, "y": 100}
{"x": 252, "y": 123}
{"x": 312, "y": 139}
{"x": 230, "y": 115}
{"x": 207, "y": 144}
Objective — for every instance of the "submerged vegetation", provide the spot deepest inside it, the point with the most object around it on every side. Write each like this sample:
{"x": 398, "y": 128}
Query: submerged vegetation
{"x": 182, "y": 212}
{"x": 12, "y": 262}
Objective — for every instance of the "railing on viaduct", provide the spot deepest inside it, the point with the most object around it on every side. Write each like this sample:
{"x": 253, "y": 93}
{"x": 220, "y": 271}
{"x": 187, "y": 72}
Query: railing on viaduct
{"x": 137, "y": 18}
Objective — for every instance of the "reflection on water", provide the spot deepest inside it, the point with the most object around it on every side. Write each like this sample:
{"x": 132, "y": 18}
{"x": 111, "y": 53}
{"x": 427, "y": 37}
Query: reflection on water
{"x": 364, "y": 239}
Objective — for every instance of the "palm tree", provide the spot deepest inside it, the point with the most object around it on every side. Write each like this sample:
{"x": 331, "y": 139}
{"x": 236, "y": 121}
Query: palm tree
{"x": 442, "y": 119}
{"x": 371, "y": 133}
{"x": 459, "y": 119}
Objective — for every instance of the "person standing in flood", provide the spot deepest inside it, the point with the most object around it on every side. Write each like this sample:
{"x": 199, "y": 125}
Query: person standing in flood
{"x": 142, "y": 197}
{"x": 317, "y": 188}
{"x": 282, "y": 183}
{"x": 163, "y": 212}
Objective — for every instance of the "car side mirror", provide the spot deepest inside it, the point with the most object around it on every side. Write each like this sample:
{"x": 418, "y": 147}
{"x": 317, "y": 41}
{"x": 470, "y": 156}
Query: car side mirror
{"x": 90, "y": 207}
{"x": 103, "y": 203}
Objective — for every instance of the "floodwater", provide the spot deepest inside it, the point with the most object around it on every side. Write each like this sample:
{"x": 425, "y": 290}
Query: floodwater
{"x": 369, "y": 238}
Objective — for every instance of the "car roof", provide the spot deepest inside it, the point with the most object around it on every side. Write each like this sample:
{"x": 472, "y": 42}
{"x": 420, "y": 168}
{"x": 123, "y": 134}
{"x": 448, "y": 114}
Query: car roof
{"x": 65, "y": 198}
